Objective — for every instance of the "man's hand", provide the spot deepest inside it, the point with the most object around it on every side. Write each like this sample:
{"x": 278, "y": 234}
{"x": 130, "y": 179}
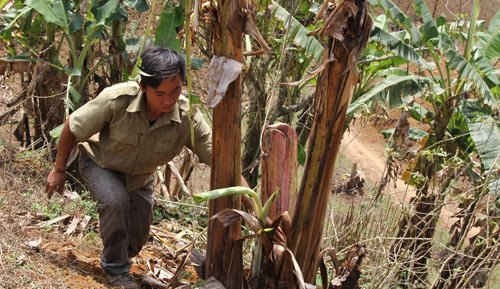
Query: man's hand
{"x": 55, "y": 182}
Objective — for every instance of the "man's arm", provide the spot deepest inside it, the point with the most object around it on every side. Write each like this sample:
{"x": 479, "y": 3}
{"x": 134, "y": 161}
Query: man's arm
{"x": 56, "y": 177}
{"x": 202, "y": 146}
{"x": 81, "y": 124}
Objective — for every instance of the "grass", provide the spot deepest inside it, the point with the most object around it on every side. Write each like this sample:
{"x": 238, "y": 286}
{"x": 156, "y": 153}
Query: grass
{"x": 58, "y": 206}
{"x": 494, "y": 280}
{"x": 356, "y": 220}
{"x": 351, "y": 220}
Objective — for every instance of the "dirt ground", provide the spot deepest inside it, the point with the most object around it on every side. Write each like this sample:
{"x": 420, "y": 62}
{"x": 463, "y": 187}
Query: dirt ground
{"x": 454, "y": 7}
{"x": 38, "y": 248}
{"x": 36, "y": 255}
{"x": 364, "y": 145}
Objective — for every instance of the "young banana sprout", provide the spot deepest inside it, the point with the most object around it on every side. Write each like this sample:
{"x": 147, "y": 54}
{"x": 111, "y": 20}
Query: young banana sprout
{"x": 261, "y": 211}
{"x": 273, "y": 261}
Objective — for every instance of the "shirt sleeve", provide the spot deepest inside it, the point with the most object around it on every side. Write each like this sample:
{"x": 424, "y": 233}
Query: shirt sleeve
{"x": 91, "y": 117}
{"x": 202, "y": 139}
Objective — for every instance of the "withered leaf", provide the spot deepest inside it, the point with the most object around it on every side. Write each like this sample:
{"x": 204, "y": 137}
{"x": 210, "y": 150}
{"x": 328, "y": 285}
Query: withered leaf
{"x": 229, "y": 216}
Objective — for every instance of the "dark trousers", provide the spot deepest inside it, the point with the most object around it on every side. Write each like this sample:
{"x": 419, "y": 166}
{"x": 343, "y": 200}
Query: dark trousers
{"x": 124, "y": 217}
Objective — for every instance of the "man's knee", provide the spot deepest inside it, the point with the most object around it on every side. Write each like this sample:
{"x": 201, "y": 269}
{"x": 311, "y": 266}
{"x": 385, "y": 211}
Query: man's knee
{"x": 113, "y": 205}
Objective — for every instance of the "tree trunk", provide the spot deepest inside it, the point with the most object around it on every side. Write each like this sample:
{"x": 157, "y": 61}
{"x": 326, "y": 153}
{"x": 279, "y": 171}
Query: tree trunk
{"x": 224, "y": 252}
{"x": 279, "y": 167}
{"x": 333, "y": 93}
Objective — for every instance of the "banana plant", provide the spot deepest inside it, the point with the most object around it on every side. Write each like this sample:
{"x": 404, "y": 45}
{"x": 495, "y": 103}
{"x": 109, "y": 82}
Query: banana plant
{"x": 455, "y": 64}
{"x": 82, "y": 25}
{"x": 36, "y": 31}
{"x": 272, "y": 260}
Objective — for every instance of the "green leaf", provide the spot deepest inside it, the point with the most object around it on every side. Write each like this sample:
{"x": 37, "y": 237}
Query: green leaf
{"x": 311, "y": 45}
{"x": 102, "y": 13}
{"x": 398, "y": 46}
{"x": 139, "y": 5}
{"x": 75, "y": 71}
{"x": 472, "y": 29}
{"x": 3, "y": 3}
{"x": 381, "y": 22}
{"x": 55, "y": 133}
{"x": 469, "y": 72}
{"x": 414, "y": 134}
{"x": 171, "y": 18}
{"x": 494, "y": 23}
{"x": 485, "y": 133}
{"x": 400, "y": 18}
{"x": 194, "y": 99}
{"x": 75, "y": 98}
{"x": 76, "y": 23}
{"x": 19, "y": 14}
{"x": 420, "y": 113}
{"x": 429, "y": 28}
{"x": 440, "y": 21}
{"x": 197, "y": 63}
{"x": 393, "y": 86}
{"x": 224, "y": 192}
{"x": 268, "y": 204}
{"x": 459, "y": 131}
{"x": 53, "y": 11}
{"x": 301, "y": 155}
{"x": 492, "y": 47}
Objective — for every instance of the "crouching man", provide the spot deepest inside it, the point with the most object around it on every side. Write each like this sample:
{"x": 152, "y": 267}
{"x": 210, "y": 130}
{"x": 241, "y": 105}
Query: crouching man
{"x": 123, "y": 135}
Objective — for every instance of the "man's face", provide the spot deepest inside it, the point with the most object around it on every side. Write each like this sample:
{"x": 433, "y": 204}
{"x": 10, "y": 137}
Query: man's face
{"x": 163, "y": 98}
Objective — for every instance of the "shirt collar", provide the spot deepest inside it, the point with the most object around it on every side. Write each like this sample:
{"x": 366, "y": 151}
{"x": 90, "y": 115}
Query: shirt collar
{"x": 138, "y": 104}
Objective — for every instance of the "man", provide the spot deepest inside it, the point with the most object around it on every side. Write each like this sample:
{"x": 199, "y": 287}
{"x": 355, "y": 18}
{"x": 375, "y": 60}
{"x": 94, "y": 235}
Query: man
{"x": 124, "y": 134}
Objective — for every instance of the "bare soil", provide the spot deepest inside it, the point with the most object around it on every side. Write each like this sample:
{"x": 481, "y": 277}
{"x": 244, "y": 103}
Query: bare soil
{"x": 364, "y": 145}
{"x": 33, "y": 256}
{"x": 450, "y": 8}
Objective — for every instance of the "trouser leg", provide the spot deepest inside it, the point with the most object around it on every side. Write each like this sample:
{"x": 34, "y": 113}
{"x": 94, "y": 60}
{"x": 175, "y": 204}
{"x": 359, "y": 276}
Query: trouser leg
{"x": 140, "y": 217}
{"x": 108, "y": 188}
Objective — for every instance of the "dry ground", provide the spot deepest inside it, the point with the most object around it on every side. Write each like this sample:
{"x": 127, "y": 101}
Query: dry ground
{"x": 33, "y": 256}
{"x": 454, "y": 7}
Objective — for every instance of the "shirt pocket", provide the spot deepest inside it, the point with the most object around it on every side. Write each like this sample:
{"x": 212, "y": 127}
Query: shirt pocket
{"x": 122, "y": 140}
{"x": 168, "y": 144}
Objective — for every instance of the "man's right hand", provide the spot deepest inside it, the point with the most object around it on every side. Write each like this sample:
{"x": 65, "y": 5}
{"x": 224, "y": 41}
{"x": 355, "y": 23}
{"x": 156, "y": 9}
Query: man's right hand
{"x": 55, "y": 182}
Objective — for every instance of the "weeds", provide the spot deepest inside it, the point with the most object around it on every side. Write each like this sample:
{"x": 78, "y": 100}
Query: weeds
{"x": 84, "y": 205}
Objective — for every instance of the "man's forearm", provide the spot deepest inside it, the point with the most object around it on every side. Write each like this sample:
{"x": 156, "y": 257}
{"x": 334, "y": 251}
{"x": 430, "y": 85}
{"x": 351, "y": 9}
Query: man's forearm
{"x": 67, "y": 142}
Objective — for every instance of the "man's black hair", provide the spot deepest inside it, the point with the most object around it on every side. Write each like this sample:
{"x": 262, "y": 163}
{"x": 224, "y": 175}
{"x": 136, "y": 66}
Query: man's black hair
{"x": 160, "y": 63}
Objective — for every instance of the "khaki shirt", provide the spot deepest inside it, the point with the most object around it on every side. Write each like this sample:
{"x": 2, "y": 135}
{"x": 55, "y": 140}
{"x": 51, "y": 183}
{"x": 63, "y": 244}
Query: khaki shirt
{"x": 117, "y": 135}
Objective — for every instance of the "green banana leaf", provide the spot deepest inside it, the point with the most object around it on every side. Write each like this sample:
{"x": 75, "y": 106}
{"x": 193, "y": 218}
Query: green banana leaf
{"x": 311, "y": 45}
{"x": 394, "y": 86}
{"x": 485, "y": 132}
{"x": 53, "y": 11}
{"x": 166, "y": 33}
